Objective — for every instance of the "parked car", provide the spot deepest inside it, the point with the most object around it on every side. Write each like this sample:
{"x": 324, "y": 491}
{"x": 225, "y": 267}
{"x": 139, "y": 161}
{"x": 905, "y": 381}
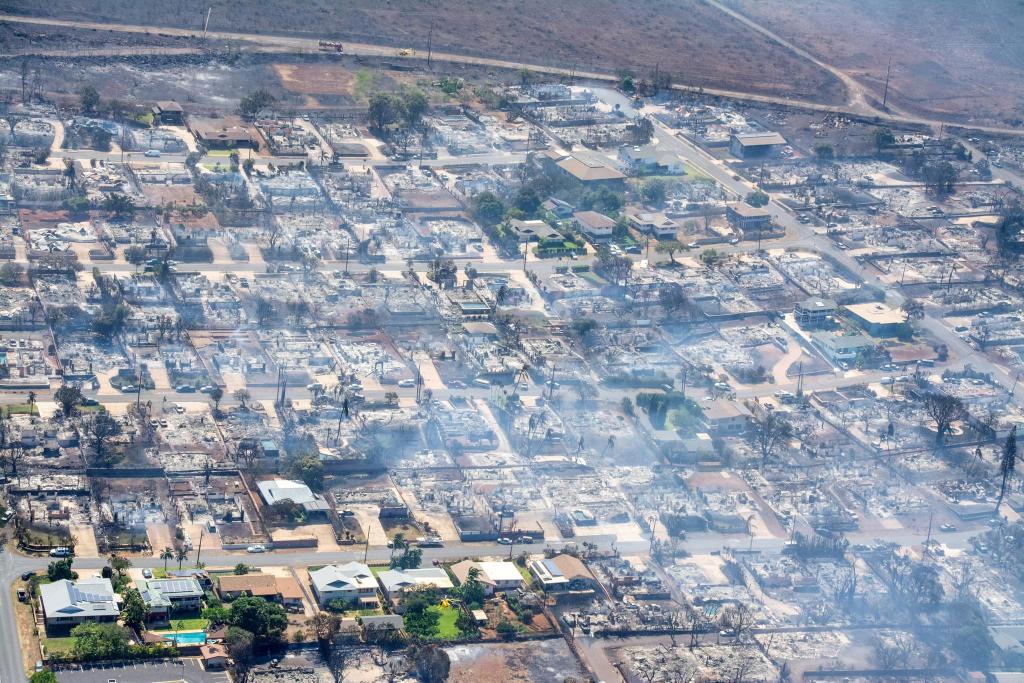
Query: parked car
{"x": 256, "y": 548}
{"x": 186, "y": 389}
{"x": 153, "y": 153}
{"x": 147, "y": 573}
{"x": 206, "y": 390}
{"x": 407, "y": 383}
{"x": 504, "y": 540}
{"x": 60, "y": 552}
{"x": 947, "y": 527}
{"x": 27, "y": 575}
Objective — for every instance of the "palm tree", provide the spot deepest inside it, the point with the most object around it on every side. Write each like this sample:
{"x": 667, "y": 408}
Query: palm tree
{"x": 182, "y": 555}
{"x": 31, "y": 402}
{"x": 166, "y": 554}
{"x": 397, "y": 543}
{"x": 1007, "y": 464}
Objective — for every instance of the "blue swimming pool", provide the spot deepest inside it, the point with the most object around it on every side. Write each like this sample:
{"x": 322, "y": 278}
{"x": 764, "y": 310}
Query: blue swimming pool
{"x": 187, "y": 637}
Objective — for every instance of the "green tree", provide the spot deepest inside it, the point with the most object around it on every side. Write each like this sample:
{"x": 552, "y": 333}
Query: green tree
{"x": 239, "y": 643}
{"x": 166, "y": 554}
{"x": 506, "y": 629}
{"x": 61, "y": 569}
{"x": 385, "y": 111}
{"x": 119, "y": 205}
{"x": 409, "y": 559}
{"x": 43, "y": 677}
{"x": 310, "y": 470}
{"x": 669, "y": 247}
{"x": 472, "y": 589}
{"x": 757, "y": 198}
{"x": 133, "y": 609}
{"x": 487, "y": 208}
{"x": 69, "y": 397}
{"x": 135, "y": 255}
{"x": 266, "y": 621}
{"x": 415, "y": 104}
{"x": 89, "y": 98}
{"x": 940, "y": 177}
{"x": 255, "y": 102}
{"x": 654, "y": 192}
{"x": 527, "y": 201}
{"x": 824, "y": 153}
{"x": 883, "y": 138}
{"x": 100, "y": 641}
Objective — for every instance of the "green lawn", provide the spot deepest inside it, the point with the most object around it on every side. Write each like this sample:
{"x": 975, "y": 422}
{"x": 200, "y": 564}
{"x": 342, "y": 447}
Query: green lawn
{"x": 193, "y": 624}
{"x": 21, "y": 409}
{"x": 59, "y": 644}
{"x": 446, "y": 628}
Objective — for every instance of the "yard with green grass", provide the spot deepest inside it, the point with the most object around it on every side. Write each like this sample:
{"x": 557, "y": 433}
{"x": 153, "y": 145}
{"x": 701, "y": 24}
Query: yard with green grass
{"x": 193, "y": 624}
{"x": 56, "y": 645}
{"x": 447, "y": 616}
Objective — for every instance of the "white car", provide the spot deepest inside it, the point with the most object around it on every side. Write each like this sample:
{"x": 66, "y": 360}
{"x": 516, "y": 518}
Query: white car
{"x": 60, "y": 552}
{"x": 257, "y": 548}
{"x": 407, "y": 383}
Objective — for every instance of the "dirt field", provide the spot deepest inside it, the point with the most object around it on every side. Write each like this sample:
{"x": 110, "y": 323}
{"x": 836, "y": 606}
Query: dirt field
{"x": 542, "y": 660}
{"x": 950, "y": 58}
{"x": 316, "y": 79}
{"x": 693, "y": 42}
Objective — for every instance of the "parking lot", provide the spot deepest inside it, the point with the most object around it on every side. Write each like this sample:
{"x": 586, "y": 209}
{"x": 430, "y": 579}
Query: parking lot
{"x": 188, "y": 669}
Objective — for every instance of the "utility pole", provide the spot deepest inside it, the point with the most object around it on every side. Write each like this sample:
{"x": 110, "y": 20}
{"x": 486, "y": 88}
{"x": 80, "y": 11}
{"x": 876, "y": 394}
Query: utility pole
{"x": 430, "y": 45}
{"x": 928, "y": 540}
{"x": 682, "y": 381}
{"x": 885, "y": 93}
{"x": 206, "y": 24}
{"x": 800, "y": 379}
{"x": 551, "y": 383}
{"x": 419, "y": 384}
{"x": 200, "y": 549}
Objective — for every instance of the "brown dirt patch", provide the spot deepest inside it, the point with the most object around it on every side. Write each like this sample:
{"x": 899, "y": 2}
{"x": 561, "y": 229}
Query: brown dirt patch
{"x": 26, "y": 628}
{"x": 951, "y": 59}
{"x": 316, "y": 79}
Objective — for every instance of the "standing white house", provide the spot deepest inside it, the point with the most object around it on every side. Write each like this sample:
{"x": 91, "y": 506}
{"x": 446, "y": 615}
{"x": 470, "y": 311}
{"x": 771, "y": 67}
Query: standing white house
{"x": 352, "y": 582}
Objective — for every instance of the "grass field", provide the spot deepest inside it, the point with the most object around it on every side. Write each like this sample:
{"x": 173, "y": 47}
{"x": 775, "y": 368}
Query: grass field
{"x": 446, "y": 628}
{"x": 194, "y": 624}
{"x": 59, "y": 644}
